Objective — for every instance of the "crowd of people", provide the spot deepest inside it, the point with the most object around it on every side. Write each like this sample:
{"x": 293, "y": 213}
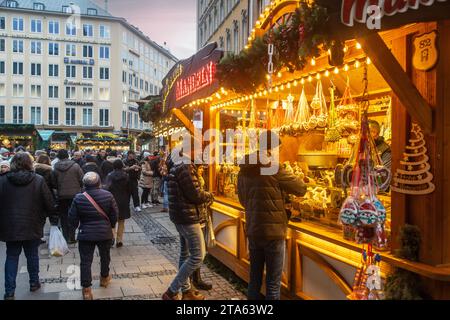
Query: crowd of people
{"x": 92, "y": 192}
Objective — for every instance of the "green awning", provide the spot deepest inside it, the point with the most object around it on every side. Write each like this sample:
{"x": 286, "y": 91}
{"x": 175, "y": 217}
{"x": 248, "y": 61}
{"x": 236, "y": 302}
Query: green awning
{"x": 46, "y": 134}
{"x": 74, "y": 139}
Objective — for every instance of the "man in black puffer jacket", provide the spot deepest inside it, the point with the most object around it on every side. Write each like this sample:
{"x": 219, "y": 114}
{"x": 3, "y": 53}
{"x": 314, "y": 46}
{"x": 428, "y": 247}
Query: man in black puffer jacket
{"x": 133, "y": 169}
{"x": 95, "y": 227}
{"x": 26, "y": 201}
{"x": 185, "y": 201}
{"x": 67, "y": 178}
{"x": 262, "y": 195}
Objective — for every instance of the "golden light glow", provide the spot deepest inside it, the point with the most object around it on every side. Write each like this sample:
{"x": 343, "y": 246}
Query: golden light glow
{"x": 318, "y": 76}
{"x": 313, "y": 62}
{"x": 303, "y": 81}
{"x": 279, "y": 75}
{"x": 282, "y": 87}
{"x": 295, "y": 83}
{"x": 369, "y": 61}
{"x": 336, "y": 70}
{"x": 277, "y": 89}
{"x": 310, "y": 78}
{"x": 288, "y": 85}
{"x": 327, "y": 73}
{"x": 346, "y": 67}
{"x": 265, "y": 92}
{"x": 357, "y": 64}
{"x": 358, "y": 46}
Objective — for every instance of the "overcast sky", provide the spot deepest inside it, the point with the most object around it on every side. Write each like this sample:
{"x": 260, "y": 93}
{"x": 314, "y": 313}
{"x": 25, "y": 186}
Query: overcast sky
{"x": 171, "y": 21}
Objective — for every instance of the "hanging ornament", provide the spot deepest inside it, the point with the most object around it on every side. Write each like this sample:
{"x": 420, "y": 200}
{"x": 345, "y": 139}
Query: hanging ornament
{"x": 415, "y": 178}
{"x": 301, "y": 121}
{"x": 319, "y": 105}
{"x": 333, "y": 133}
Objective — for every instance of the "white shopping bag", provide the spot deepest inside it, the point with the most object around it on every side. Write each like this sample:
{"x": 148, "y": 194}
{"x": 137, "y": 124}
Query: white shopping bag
{"x": 57, "y": 245}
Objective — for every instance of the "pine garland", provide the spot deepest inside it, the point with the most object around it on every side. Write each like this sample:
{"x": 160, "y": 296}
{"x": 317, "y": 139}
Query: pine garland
{"x": 151, "y": 111}
{"x": 303, "y": 37}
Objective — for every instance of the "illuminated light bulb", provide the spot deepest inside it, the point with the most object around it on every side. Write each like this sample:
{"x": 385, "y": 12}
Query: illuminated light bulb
{"x": 357, "y": 64}
{"x": 261, "y": 15}
{"x": 260, "y": 94}
{"x": 249, "y": 38}
{"x": 302, "y": 81}
{"x": 318, "y": 76}
{"x": 279, "y": 75}
{"x": 246, "y": 47}
{"x": 327, "y": 73}
{"x": 336, "y": 70}
{"x": 313, "y": 62}
{"x": 268, "y": 77}
{"x": 358, "y": 45}
{"x": 282, "y": 87}
{"x": 295, "y": 83}
{"x": 270, "y": 90}
{"x": 346, "y": 67}
{"x": 310, "y": 78}
{"x": 277, "y": 89}
{"x": 329, "y": 52}
{"x": 288, "y": 85}
{"x": 255, "y": 95}
{"x": 258, "y": 23}
{"x": 225, "y": 111}
{"x": 369, "y": 61}
{"x": 345, "y": 49}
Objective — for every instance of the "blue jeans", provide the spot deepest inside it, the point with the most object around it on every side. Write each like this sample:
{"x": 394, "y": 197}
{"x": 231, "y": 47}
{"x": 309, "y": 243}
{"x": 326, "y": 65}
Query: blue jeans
{"x": 271, "y": 254}
{"x": 192, "y": 253}
{"x": 166, "y": 196}
{"x": 13, "y": 251}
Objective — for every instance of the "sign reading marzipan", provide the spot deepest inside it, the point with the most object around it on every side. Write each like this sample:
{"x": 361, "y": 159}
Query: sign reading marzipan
{"x": 196, "y": 81}
{"x": 356, "y": 10}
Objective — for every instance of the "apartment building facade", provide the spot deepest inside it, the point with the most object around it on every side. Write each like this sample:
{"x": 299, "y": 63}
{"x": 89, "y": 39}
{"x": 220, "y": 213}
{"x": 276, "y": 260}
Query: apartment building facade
{"x": 71, "y": 66}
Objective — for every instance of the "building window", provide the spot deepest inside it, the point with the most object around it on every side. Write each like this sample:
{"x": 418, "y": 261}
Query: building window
{"x": 91, "y": 12}
{"x": 221, "y": 11}
{"x": 2, "y": 23}
{"x": 36, "y": 26}
{"x": 142, "y": 84}
{"x": 12, "y": 4}
{"x": 105, "y": 32}
{"x": 18, "y": 68}
{"x": 36, "y": 47}
{"x": 36, "y": 69}
{"x": 229, "y": 48}
{"x": 221, "y": 43}
{"x": 236, "y": 37}
{"x": 71, "y": 29}
{"x": 53, "y": 49}
{"x": 2, "y": 67}
{"x": 104, "y": 94}
{"x": 18, "y": 46}
{"x": 35, "y": 91}
{"x": 70, "y": 116}
{"x": 38, "y": 6}
{"x": 87, "y": 72}
{"x": 71, "y": 71}
{"x": 17, "y": 24}
{"x": 17, "y": 114}
{"x": 146, "y": 86}
{"x": 124, "y": 119}
{"x": 87, "y": 117}
{"x": 2, "y": 114}
{"x": 136, "y": 121}
{"x": 88, "y": 30}
{"x": 2, "y": 45}
{"x": 88, "y": 51}
{"x": 244, "y": 28}
{"x": 53, "y": 27}
{"x": 124, "y": 77}
{"x": 53, "y": 92}
{"x": 71, "y": 50}
{"x": 104, "y": 73}
{"x": 35, "y": 114}
{"x": 67, "y": 9}
{"x": 18, "y": 90}
{"x": 53, "y": 70}
{"x": 104, "y": 52}
{"x": 53, "y": 116}
{"x": 88, "y": 94}
{"x": 104, "y": 118}
{"x": 2, "y": 89}
{"x": 71, "y": 92}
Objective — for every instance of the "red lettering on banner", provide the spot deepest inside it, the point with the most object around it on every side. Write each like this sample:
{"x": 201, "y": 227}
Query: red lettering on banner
{"x": 195, "y": 82}
{"x": 356, "y": 10}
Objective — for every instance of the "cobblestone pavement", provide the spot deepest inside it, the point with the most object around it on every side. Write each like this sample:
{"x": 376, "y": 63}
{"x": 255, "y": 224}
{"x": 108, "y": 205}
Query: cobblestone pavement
{"x": 141, "y": 270}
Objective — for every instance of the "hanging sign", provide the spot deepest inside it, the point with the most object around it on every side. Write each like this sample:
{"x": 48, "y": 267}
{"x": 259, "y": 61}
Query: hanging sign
{"x": 192, "y": 79}
{"x": 361, "y": 10}
{"x": 426, "y": 53}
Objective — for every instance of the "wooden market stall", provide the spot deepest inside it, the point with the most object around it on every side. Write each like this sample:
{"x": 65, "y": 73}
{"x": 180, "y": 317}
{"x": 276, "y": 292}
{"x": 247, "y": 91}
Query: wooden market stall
{"x": 398, "y": 73}
{"x": 103, "y": 141}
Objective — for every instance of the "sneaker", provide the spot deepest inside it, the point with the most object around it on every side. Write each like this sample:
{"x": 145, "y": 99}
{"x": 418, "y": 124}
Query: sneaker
{"x": 113, "y": 242}
{"x": 104, "y": 282}
{"x": 119, "y": 245}
{"x": 193, "y": 295}
{"x": 9, "y": 297}
{"x": 137, "y": 209}
{"x": 149, "y": 205}
{"x": 169, "y": 295}
{"x": 144, "y": 206}
{"x": 35, "y": 287}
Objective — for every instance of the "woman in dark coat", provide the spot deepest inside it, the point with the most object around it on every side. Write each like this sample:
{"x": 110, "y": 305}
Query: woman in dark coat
{"x": 43, "y": 168}
{"x": 25, "y": 201}
{"x": 117, "y": 183}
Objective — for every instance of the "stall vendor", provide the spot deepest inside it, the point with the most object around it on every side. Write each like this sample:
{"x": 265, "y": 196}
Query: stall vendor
{"x": 384, "y": 150}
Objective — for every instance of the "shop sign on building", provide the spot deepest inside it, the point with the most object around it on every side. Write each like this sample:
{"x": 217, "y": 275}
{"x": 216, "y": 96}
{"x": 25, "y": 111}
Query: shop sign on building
{"x": 426, "y": 54}
{"x": 77, "y": 83}
{"x": 79, "y": 104}
{"x": 89, "y": 62}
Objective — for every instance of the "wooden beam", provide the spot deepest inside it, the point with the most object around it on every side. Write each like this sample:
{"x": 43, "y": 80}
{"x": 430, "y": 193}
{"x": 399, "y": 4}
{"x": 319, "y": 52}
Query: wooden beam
{"x": 186, "y": 122}
{"x": 401, "y": 84}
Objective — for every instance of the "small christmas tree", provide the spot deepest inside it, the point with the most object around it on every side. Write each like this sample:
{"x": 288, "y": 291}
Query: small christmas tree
{"x": 415, "y": 178}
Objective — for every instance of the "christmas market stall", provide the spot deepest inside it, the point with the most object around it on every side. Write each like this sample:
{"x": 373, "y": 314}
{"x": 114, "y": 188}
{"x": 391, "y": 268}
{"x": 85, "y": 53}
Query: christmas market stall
{"x": 103, "y": 141}
{"x": 13, "y": 136}
{"x": 359, "y": 104}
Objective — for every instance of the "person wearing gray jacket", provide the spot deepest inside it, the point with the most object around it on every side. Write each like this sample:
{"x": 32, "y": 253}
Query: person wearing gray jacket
{"x": 67, "y": 177}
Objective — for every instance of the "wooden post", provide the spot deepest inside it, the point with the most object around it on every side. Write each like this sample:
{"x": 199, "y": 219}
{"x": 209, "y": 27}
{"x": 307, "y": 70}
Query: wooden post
{"x": 186, "y": 122}
{"x": 398, "y": 80}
